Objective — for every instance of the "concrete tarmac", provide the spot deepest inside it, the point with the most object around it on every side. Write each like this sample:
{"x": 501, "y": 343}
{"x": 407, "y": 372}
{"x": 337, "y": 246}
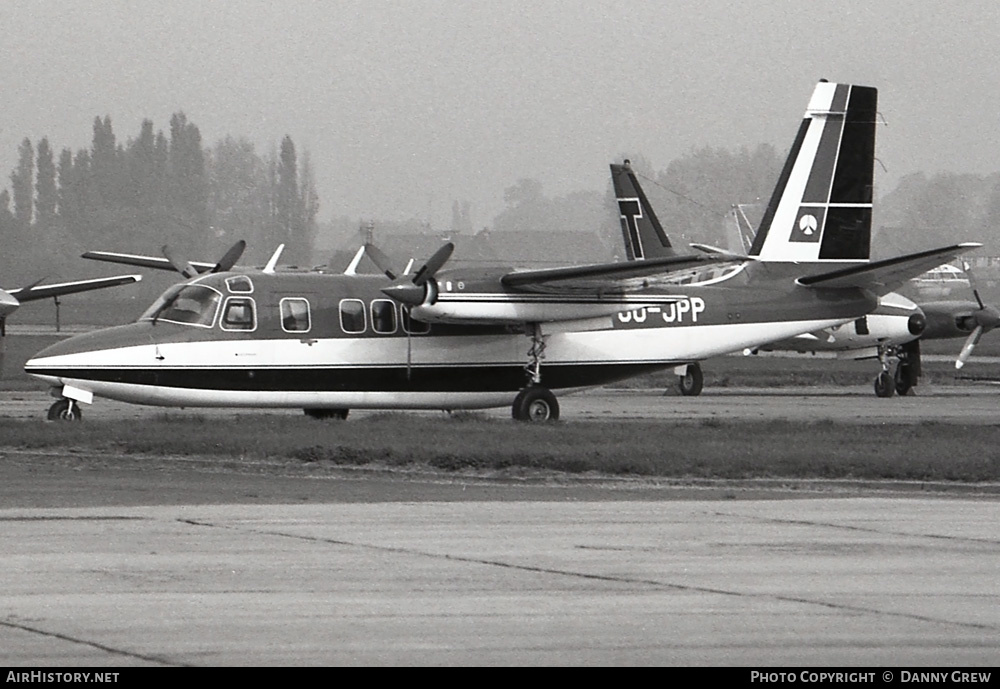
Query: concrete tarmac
{"x": 896, "y": 582}
{"x": 189, "y": 567}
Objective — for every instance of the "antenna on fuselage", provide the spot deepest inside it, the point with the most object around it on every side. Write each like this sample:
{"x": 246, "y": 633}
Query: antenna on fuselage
{"x": 269, "y": 268}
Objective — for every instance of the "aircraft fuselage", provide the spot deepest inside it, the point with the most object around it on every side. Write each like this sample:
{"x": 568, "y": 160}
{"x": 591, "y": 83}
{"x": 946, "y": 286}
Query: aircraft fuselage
{"x": 317, "y": 340}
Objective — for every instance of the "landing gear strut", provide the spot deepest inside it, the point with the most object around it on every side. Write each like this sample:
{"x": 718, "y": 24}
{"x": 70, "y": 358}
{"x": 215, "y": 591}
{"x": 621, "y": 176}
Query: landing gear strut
{"x": 535, "y": 402}
{"x": 907, "y": 371}
{"x": 885, "y": 384}
{"x": 65, "y": 410}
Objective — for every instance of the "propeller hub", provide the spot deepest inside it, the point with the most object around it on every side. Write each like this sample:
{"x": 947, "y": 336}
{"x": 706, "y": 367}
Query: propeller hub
{"x": 989, "y": 318}
{"x": 8, "y": 304}
{"x": 405, "y": 292}
{"x": 916, "y": 323}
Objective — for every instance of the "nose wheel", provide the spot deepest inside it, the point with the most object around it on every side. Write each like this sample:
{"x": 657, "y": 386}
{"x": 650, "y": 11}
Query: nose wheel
{"x": 65, "y": 410}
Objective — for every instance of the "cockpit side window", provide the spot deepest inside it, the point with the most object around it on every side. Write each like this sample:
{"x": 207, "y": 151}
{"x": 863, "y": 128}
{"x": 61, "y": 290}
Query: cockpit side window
{"x": 239, "y": 314}
{"x": 187, "y": 305}
{"x": 352, "y": 315}
{"x": 240, "y": 284}
{"x": 295, "y": 317}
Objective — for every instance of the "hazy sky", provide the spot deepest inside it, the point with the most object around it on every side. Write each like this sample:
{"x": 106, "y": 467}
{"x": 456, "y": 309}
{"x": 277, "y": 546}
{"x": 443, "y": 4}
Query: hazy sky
{"x": 406, "y": 106}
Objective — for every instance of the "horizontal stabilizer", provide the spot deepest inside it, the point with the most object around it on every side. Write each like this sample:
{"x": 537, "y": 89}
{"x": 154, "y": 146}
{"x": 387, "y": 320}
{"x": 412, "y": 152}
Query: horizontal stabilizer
{"x": 882, "y": 277}
{"x": 717, "y": 251}
{"x": 35, "y": 292}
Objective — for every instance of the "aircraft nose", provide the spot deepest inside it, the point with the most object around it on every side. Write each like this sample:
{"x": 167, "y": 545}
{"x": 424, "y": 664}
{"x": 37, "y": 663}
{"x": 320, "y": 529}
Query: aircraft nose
{"x": 916, "y": 323}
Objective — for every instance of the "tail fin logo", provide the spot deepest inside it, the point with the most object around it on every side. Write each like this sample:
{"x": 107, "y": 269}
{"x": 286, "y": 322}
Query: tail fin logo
{"x": 808, "y": 227}
{"x": 630, "y": 211}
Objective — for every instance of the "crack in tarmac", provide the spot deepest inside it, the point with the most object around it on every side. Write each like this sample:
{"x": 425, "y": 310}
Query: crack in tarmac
{"x": 840, "y": 607}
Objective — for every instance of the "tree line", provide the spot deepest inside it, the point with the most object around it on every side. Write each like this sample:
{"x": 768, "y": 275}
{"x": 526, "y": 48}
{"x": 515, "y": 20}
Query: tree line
{"x": 156, "y": 188}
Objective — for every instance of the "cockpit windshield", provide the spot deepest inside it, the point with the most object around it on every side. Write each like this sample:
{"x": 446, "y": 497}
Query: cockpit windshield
{"x": 185, "y": 304}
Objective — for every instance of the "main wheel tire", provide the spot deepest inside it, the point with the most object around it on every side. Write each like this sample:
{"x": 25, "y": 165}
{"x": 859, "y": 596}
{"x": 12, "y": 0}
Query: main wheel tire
{"x": 885, "y": 385}
{"x": 535, "y": 404}
{"x": 339, "y": 414}
{"x": 65, "y": 410}
{"x": 692, "y": 381}
{"x": 903, "y": 379}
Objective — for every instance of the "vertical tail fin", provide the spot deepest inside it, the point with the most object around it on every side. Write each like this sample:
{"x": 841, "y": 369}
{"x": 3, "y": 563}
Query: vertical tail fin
{"x": 821, "y": 208}
{"x": 644, "y": 236}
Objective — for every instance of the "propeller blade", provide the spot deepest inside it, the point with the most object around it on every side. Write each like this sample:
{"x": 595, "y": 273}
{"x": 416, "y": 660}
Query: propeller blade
{"x": 970, "y": 344}
{"x": 381, "y": 261}
{"x": 434, "y": 264}
{"x": 181, "y": 266}
{"x": 230, "y": 258}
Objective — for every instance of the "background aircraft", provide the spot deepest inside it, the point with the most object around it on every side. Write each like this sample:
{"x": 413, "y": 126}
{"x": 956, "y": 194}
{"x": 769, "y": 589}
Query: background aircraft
{"x": 891, "y": 333}
{"x": 10, "y": 300}
{"x": 451, "y": 339}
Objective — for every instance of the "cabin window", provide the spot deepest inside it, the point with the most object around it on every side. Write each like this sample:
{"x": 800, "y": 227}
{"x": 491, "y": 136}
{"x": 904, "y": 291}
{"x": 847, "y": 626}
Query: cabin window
{"x": 240, "y": 284}
{"x": 295, "y": 315}
{"x": 384, "y": 316}
{"x": 185, "y": 304}
{"x": 352, "y": 315}
{"x": 413, "y": 326}
{"x": 239, "y": 314}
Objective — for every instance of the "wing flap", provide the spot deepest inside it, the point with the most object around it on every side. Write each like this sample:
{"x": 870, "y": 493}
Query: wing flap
{"x": 888, "y": 275}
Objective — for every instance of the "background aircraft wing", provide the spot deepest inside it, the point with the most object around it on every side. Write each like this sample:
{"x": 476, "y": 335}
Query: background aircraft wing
{"x": 158, "y": 262}
{"x": 33, "y": 292}
{"x": 882, "y": 277}
{"x": 610, "y": 277}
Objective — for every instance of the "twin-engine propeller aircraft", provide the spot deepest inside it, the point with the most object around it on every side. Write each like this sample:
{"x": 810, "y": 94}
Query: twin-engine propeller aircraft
{"x": 456, "y": 339}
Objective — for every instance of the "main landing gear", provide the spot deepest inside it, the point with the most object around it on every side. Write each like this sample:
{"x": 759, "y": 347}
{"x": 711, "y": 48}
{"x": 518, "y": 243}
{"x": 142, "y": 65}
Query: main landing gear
{"x": 65, "y": 410}
{"x": 907, "y": 371}
{"x": 691, "y": 380}
{"x": 535, "y": 402}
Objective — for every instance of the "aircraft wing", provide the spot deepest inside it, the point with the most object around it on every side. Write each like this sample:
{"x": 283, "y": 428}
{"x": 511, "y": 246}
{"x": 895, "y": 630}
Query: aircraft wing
{"x": 157, "y": 262}
{"x": 33, "y": 292}
{"x": 882, "y": 277}
{"x": 611, "y": 277}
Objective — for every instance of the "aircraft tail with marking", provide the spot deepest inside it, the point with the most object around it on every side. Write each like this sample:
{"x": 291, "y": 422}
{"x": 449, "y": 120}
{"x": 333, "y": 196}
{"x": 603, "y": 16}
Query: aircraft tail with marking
{"x": 643, "y": 234}
{"x": 821, "y": 207}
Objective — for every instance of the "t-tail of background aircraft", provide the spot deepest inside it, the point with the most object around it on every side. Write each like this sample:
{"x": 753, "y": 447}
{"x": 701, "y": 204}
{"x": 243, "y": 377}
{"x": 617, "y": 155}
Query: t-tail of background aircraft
{"x": 442, "y": 338}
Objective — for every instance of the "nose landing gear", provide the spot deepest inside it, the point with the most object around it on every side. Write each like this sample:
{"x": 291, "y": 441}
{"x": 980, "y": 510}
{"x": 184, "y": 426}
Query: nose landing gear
{"x": 65, "y": 410}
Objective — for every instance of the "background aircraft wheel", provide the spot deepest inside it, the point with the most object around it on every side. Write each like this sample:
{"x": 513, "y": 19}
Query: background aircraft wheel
{"x": 692, "y": 381}
{"x": 903, "y": 380}
{"x": 327, "y": 413}
{"x": 885, "y": 386}
{"x": 65, "y": 410}
{"x": 535, "y": 404}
